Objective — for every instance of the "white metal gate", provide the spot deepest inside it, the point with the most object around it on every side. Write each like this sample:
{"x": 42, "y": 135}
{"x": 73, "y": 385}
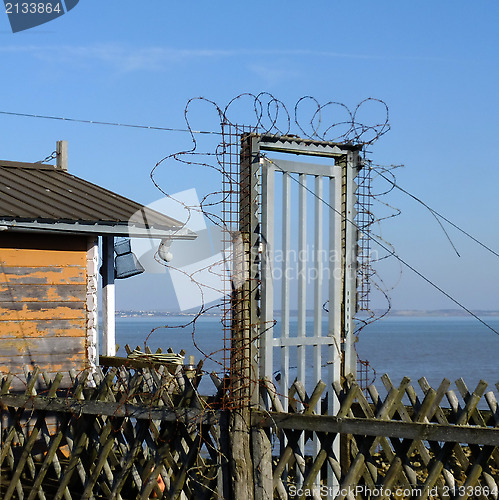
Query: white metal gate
{"x": 304, "y": 203}
{"x": 324, "y": 178}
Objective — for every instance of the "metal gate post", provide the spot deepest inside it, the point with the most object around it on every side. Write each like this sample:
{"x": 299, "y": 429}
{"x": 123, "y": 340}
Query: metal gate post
{"x": 266, "y": 348}
{"x": 350, "y": 269}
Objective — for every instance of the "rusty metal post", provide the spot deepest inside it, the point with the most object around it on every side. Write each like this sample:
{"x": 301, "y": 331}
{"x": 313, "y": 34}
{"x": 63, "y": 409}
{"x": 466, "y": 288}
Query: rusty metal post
{"x": 244, "y": 369}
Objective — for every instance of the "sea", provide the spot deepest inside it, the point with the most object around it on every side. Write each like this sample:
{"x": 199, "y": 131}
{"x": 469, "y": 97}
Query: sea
{"x": 414, "y": 347}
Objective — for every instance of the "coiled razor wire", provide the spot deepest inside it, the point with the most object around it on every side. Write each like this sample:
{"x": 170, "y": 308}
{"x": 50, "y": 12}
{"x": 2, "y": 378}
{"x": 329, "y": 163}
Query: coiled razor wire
{"x": 266, "y": 115}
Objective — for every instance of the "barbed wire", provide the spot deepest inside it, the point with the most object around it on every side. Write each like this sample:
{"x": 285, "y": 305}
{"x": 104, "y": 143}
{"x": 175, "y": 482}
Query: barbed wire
{"x": 267, "y": 107}
{"x": 265, "y": 115}
{"x": 271, "y": 117}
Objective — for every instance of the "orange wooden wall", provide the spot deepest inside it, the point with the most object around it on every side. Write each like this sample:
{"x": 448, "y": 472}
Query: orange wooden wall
{"x": 43, "y": 293}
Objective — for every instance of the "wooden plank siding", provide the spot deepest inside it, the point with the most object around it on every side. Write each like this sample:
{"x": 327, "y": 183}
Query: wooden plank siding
{"x": 43, "y": 302}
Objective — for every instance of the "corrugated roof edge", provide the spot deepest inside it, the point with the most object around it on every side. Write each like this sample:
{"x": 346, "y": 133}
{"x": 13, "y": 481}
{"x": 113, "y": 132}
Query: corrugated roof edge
{"x": 175, "y": 228}
{"x": 347, "y": 146}
{"x": 38, "y": 166}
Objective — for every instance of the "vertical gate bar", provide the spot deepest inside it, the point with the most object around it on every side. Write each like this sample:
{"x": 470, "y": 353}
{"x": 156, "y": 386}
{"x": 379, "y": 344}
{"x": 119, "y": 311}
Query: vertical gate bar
{"x": 350, "y": 297}
{"x": 286, "y": 240}
{"x": 318, "y": 250}
{"x": 302, "y": 296}
{"x": 267, "y": 302}
{"x": 318, "y": 254}
{"x": 334, "y": 314}
{"x": 335, "y": 287}
{"x": 302, "y": 269}
{"x": 261, "y": 444}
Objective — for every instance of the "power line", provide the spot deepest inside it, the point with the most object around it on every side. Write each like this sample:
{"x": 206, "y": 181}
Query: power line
{"x": 435, "y": 213}
{"x": 391, "y": 252}
{"x": 112, "y": 124}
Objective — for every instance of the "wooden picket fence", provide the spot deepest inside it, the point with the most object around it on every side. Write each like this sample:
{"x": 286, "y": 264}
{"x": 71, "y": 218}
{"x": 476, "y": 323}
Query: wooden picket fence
{"x": 399, "y": 446}
{"x": 121, "y": 434}
{"x": 145, "y": 432}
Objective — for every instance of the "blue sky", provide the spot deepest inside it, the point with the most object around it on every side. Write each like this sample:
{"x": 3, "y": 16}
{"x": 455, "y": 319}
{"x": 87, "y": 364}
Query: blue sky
{"x": 434, "y": 64}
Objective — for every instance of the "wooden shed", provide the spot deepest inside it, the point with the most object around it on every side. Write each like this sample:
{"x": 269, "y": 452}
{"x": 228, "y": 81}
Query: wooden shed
{"x": 50, "y": 224}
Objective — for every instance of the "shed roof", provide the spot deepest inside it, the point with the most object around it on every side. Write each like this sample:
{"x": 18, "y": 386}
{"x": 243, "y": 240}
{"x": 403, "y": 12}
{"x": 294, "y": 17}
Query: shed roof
{"x": 41, "y": 197}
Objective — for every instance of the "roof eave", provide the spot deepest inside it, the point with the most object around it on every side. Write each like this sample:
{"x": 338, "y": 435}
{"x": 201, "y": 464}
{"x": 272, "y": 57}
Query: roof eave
{"x": 98, "y": 229}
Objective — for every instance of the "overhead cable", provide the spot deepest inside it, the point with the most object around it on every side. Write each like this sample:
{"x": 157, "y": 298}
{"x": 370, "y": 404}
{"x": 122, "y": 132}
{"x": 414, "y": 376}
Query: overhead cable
{"x": 392, "y": 253}
{"x": 437, "y": 214}
{"x": 112, "y": 124}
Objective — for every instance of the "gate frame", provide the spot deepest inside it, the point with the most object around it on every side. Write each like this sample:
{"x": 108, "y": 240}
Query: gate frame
{"x": 348, "y": 162}
{"x": 252, "y": 340}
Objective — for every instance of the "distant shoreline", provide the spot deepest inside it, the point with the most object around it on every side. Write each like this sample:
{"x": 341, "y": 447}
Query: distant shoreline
{"x": 400, "y": 313}
{"x": 451, "y": 313}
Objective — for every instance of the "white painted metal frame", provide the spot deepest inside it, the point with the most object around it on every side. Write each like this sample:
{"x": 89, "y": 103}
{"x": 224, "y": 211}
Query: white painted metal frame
{"x": 319, "y": 355}
{"x": 321, "y": 174}
{"x": 266, "y": 349}
{"x": 325, "y": 178}
{"x": 350, "y": 289}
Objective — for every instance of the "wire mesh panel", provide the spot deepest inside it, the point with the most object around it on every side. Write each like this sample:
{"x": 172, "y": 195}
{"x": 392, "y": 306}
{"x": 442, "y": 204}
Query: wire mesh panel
{"x": 240, "y": 242}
